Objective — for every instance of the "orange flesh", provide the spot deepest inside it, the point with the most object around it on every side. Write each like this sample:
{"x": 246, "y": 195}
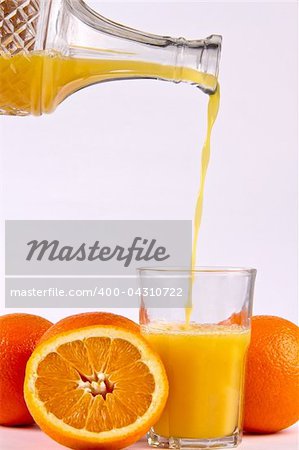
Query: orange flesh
{"x": 97, "y": 384}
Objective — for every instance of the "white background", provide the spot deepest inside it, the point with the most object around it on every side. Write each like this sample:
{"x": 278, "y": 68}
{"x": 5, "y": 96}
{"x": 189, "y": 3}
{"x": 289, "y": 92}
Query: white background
{"x": 131, "y": 150}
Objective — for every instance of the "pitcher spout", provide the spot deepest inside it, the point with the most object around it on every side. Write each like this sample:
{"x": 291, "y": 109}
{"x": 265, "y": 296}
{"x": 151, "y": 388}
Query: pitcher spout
{"x": 201, "y": 56}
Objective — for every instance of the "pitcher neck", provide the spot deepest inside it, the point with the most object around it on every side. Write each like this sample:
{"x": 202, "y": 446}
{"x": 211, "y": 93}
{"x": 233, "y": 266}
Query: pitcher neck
{"x": 76, "y": 31}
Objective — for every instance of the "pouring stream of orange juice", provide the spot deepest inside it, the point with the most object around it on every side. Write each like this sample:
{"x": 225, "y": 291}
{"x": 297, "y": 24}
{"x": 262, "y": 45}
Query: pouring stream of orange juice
{"x": 213, "y": 108}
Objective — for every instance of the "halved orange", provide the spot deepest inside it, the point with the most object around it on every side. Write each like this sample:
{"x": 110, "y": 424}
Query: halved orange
{"x": 95, "y": 387}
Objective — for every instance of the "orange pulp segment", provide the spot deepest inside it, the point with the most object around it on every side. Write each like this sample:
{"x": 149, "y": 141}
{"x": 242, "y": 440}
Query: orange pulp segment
{"x": 95, "y": 387}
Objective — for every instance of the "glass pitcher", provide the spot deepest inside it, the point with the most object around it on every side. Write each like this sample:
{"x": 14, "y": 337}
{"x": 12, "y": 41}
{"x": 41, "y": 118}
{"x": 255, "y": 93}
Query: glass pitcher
{"x": 50, "y": 49}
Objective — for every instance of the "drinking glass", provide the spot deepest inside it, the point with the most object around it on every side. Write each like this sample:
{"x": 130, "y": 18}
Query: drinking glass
{"x": 202, "y": 333}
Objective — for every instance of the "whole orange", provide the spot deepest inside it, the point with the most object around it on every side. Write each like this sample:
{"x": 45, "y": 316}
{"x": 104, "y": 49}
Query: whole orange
{"x": 87, "y": 320}
{"x": 19, "y": 334}
{"x": 272, "y": 375}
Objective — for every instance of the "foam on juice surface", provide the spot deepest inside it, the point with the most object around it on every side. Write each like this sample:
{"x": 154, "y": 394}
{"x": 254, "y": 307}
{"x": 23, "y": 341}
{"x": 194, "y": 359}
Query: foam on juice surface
{"x": 180, "y": 328}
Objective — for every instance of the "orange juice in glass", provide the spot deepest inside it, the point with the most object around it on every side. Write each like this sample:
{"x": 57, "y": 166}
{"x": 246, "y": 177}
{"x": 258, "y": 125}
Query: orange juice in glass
{"x": 204, "y": 353}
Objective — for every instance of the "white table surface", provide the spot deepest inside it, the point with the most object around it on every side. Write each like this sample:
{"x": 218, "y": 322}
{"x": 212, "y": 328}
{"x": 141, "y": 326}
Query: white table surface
{"x": 32, "y": 438}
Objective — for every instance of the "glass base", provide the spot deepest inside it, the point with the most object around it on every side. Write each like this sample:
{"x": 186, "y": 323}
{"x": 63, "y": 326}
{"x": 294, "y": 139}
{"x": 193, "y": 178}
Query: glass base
{"x": 154, "y": 440}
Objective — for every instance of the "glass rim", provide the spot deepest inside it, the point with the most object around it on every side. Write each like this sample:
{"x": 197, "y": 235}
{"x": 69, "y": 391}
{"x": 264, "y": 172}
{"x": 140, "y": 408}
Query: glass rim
{"x": 224, "y": 270}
